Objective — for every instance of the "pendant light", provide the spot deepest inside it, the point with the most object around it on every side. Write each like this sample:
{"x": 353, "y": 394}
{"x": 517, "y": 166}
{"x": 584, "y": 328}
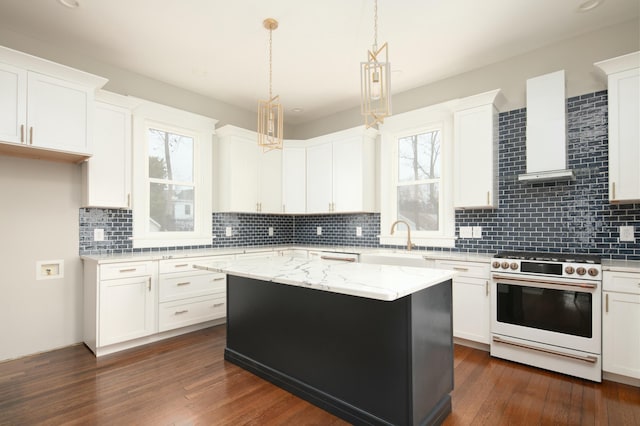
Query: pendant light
{"x": 375, "y": 79}
{"x": 270, "y": 114}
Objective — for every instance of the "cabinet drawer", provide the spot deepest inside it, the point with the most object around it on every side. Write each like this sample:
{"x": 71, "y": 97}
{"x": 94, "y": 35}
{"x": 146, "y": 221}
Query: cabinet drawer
{"x": 466, "y": 269}
{"x": 124, "y": 270}
{"x": 186, "y": 264}
{"x": 622, "y": 282}
{"x": 191, "y": 284}
{"x": 191, "y": 311}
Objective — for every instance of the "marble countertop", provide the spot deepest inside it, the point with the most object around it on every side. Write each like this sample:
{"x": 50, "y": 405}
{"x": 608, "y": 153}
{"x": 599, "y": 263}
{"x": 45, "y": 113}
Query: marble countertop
{"x": 373, "y": 281}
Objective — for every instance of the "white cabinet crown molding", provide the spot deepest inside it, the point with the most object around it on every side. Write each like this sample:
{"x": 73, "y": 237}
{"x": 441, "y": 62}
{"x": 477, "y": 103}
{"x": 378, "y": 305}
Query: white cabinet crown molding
{"x": 494, "y": 97}
{"x": 44, "y": 66}
{"x": 619, "y": 64}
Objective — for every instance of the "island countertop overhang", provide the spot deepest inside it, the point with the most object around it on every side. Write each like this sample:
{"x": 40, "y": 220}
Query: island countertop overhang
{"x": 373, "y": 281}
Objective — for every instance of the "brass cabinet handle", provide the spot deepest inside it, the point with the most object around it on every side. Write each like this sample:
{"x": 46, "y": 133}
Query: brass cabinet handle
{"x": 340, "y": 259}
{"x": 488, "y": 197}
{"x": 149, "y": 283}
{"x": 183, "y": 283}
{"x": 460, "y": 268}
{"x": 606, "y": 303}
{"x": 129, "y": 200}
{"x": 22, "y": 133}
{"x": 217, "y": 305}
{"x": 128, "y": 270}
{"x": 613, "y": 190}
{"x": 31, "y": 135}
{"x": 218, "y": 279}
{"x": 184, "y": 311}
{"x": 182, "y": 265}
{"x": 486, "y": 287}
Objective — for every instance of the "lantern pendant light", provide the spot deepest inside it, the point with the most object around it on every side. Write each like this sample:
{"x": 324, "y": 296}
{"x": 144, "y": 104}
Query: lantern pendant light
{"x": 375, "y": 80}
{"x": 270, "y": 116}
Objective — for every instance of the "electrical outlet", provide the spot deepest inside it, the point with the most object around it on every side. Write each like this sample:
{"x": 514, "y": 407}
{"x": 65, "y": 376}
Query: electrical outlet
{"x": 228, "y": 231}
{"x": 271, "y": 231}
{"x": 98, "y": 234}
{"x": 465, "y": 232}
{"x": 319, "y": 230}
{"x": 49, "y": 269}
{"x": 627, "y": 233}
{"x": 477, "y": 232}
{"x": 358, "y": 231}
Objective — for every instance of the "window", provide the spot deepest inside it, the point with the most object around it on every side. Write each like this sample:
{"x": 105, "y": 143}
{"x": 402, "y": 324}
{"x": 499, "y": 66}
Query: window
{"x": 172, "y": 177}
{"x": 416, "y": 179}
{"x": 418, "y": 185}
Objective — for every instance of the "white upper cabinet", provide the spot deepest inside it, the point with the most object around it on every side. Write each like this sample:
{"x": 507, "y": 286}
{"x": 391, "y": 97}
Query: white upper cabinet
{"x": 46, "y": 108}
{"x": 476, "y": 151}
{"x": 623, "y": 78}
{"x": 294, "y": 177}
{"x": 107, "y": 174}
{"x": 247, "y": 179}
{"x": 341, "y": 172}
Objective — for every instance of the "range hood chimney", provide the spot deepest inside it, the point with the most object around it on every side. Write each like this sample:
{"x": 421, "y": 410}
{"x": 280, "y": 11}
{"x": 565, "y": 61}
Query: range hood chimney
{"x": 546, "y": 129}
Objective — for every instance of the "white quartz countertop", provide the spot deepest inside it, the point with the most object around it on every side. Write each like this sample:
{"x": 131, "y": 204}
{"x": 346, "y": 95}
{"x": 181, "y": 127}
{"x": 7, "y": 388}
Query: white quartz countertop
{"x": 373, "y": 281}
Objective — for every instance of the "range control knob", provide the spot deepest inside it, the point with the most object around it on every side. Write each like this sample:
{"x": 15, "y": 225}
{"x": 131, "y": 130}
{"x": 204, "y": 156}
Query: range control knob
{"x": 581, "y": 271}
{"x": 505, "y": 265}
{"x": 495, "y": 264}
{"x": 593, "y": 272}
{"x": 513, "y": 266}
{"x": 569, "y": 270}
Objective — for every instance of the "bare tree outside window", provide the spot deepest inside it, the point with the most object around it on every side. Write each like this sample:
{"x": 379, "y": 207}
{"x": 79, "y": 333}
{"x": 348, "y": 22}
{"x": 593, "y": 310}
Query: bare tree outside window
{"x": 171, "y": 183}
{"x": 419, "y": 180}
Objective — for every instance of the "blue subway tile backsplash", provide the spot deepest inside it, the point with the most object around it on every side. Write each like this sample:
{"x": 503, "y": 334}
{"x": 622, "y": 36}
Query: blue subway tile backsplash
{"x": 570, "y": 217}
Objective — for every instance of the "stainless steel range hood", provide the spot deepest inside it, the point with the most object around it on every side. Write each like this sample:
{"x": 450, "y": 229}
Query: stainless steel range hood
{"x": 546, "y": 129}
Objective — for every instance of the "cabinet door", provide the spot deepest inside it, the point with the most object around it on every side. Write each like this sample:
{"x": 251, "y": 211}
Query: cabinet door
{"x": 270, "y": 181}
{"x": 624, "y": 136}
{"x": 319, "y": 178}
{"x": 621, "y": 334}
{"x": 13, "y": 108}
{"x": 294, "y": 180}
{"x": 471, "y": 310}
{"x": 58, "y": 114}
{"x": 347, "y": 175}
{"x": 108, "y": 171}
{"x": 475, "y": 151}
{"x": 126, "y": 309}
{"x": 244, "y": 176}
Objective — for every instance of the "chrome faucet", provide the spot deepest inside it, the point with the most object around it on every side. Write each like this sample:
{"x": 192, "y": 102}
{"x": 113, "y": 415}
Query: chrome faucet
{"x": 393, "y": 227}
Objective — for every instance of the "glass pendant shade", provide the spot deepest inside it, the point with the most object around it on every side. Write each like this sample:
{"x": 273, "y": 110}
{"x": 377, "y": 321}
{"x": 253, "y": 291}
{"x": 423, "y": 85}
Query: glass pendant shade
{"x": 270, "y": 124}
{"x": 375, "y": 78}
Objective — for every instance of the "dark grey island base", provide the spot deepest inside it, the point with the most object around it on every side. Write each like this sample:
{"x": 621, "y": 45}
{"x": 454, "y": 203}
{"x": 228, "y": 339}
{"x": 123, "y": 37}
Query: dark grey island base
{"x": 366, "y": 361}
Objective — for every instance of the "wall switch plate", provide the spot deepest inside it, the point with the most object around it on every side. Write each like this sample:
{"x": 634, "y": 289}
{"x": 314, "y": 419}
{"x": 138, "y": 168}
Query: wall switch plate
{"x": 465, "y": 232}
{"x": 98, "y": 234}
{"x": 358, "y": 231}
{"x": 49, "y": 269}
{"x": 627, "y": 233}
{"x": 319, "y": 230}
{"x": 271, "y": 231}
{"x": 477, "y": 232}
{"x": 228, "y": 231}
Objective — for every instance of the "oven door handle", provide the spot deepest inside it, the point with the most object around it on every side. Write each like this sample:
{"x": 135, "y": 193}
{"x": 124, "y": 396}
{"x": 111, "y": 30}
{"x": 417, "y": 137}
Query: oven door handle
{"x": 511, "y": 280}
{"x": 590, "y": 359}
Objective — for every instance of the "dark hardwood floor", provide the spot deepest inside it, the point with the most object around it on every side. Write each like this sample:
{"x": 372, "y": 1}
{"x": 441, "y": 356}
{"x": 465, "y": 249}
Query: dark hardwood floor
{"x": 185, "y": 381}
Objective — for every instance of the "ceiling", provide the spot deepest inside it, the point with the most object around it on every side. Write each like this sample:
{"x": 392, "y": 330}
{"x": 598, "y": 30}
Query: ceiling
{"x": 219, "y": 48}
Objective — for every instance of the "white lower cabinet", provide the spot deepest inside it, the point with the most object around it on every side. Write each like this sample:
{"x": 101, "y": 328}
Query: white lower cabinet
{"x": 471, "y": 301}
{"x": 119, "y": 302}
{"x": 128, "y": 304}
{"x": 621, "y": 323}
{"x": 192, "y": 296}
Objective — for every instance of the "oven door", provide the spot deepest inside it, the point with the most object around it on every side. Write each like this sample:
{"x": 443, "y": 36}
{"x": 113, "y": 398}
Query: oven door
{"x": 564, "y": 313}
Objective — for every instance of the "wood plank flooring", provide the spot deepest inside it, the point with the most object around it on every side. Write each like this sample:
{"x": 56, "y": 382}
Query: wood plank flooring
{"x": 185, "y": 381}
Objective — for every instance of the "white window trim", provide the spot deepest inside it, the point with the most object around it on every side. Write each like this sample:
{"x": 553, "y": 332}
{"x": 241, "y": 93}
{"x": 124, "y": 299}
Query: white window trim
{"x": 201, "y": 129}
{"x": 414, "y": 122}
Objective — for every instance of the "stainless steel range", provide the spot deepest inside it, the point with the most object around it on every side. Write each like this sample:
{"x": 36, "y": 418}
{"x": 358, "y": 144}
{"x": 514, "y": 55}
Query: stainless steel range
{"x": 546, "y": 311}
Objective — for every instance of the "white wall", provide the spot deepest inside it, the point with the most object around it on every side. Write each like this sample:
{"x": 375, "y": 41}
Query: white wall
{"x": 39, "y": 202}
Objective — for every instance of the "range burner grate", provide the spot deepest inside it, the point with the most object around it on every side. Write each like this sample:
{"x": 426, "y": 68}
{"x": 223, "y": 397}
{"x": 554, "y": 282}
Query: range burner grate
{"x": 549, "y": 257}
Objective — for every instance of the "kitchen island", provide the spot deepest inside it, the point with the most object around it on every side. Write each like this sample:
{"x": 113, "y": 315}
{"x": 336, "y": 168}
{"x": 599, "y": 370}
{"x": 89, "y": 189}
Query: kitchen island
{"x": 371, "y": 344}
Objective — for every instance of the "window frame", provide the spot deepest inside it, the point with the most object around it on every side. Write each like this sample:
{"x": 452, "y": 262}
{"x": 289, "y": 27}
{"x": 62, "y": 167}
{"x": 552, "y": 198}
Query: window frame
{"x": 201, "y": 129}
{"x": 423, "y": 120}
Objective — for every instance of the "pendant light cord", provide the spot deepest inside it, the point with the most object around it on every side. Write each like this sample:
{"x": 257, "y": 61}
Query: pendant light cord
{"x": 375, "y": 25}
{"x": 270, "y": 60}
